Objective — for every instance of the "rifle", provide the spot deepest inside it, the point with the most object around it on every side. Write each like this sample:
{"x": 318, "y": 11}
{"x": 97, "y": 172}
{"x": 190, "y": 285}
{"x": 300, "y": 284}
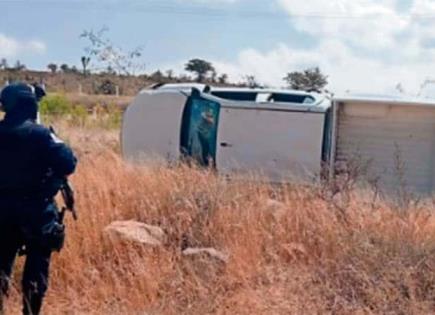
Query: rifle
{"x": 68, "y": 197}
{"x": 67, "y": 193}
{"x": 66, "y": 188}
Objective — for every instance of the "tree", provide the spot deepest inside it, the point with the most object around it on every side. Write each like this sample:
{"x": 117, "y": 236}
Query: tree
{"x": 85, "y": 62}
{"x": 4, "y": 64}
{"x": 110, "y": 71}
{"x": 52, "y": 67}
{"x": 213, "y": 76}
{"x": 107, "y": 87}
{"x": 200, "y": 67}
{"x": 251, "y": 82}
{"x": 223, "y": 78}
{"x": 169, "y": 74}
{"x": 19, "y": 66}
{"x": 308, "y": 80}
{"x": 65, "y": 68}
{"x": 157, "y": 76}
{"x": 107, "y": 54}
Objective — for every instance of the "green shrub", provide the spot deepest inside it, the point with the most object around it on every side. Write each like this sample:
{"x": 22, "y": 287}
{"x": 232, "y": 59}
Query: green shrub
{"x": 79, "y": 115}
{"x": 55, "y": 105}
{"x": 115, "y": 120}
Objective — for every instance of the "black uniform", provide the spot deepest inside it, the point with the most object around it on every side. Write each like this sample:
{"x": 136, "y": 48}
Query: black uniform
{"x": 30, "y": 158}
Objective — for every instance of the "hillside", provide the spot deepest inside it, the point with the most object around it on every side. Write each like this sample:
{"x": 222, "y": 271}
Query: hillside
{"x": 93, "y": 83}
{"x": 71, "y": 82}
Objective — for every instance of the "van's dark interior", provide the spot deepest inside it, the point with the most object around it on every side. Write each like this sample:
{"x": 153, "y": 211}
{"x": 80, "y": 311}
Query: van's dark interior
{"x": 273, "y": 97}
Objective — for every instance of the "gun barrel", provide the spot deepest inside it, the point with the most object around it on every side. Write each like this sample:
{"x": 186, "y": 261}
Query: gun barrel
{"x": 68, "y": 198}
{"x": 74, "y": 214}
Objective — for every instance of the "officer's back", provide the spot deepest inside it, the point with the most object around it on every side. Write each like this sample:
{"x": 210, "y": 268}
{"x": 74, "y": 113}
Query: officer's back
{"x": 28, "y": 152}
{"x": 32, "y": 163}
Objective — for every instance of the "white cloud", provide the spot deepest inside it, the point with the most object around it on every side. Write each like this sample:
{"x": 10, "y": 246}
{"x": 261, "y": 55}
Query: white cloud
{"x": 8, "y": 46}
{"x": 347, "y": 72}
{"x": 370, "y": 24}
{"x": 35, "y": 46}
{"x": 11, "y": 47}
{"x": 363, "y": 45}
{"x": 423, "y": 7}
{"x": 211, "y": 2}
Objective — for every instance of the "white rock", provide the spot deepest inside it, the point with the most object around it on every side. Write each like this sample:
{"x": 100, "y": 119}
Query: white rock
{"x": 211, "y": 252}
{"x": 136, "y": 232}
{"x": 273, "y": 204}
{"x": 277, "y": 208}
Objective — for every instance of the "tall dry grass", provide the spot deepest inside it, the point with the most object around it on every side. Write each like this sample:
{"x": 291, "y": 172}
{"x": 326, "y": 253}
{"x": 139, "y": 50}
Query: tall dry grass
{"x": 292, "y": 250}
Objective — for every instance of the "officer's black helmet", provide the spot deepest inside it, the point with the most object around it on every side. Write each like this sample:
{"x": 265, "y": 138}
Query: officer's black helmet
{"x": 15, "y": 93}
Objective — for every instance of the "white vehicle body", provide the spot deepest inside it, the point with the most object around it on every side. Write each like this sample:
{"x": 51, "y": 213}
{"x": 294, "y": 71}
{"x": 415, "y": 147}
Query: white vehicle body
{"x": 151, "y": 126}
{"x": 395, "y": 137}
{"x": 279, "y": 140}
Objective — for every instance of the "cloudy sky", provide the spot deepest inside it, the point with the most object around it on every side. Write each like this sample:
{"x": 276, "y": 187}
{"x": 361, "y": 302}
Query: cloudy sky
{"x": 363, "y": 45}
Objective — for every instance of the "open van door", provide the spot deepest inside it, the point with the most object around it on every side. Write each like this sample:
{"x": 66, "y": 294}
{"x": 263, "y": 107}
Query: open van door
{"x": 199, "y": 129}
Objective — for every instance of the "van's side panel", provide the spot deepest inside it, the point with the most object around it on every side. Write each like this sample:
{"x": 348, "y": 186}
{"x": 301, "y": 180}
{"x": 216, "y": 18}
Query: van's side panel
{"x": 280, "y": 145}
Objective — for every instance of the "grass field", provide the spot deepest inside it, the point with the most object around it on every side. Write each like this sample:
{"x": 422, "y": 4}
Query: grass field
{"x": 292, "y": 249}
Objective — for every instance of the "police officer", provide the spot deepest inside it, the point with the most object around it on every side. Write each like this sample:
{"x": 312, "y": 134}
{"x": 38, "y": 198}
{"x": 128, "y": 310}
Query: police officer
{"x": 31, "y": 158}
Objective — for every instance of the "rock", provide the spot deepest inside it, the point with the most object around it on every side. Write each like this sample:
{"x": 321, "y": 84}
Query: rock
{"x": 273, "y": 204}
{"x": 210, "y": 252}
{"x": 136, "y": 232}
{"x": 277, "y": 208}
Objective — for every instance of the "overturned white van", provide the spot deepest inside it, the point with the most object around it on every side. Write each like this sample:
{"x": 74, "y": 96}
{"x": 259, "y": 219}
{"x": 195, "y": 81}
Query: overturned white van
{"x": 286, "y": 135}
{"x": 279, "y": 134}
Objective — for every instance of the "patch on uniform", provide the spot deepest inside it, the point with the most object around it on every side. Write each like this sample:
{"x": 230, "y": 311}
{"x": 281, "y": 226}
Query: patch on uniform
{"x": 55, "y": 138}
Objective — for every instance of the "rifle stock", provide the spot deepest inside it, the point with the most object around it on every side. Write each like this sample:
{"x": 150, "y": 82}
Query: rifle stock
{"x": 68, "y": 198}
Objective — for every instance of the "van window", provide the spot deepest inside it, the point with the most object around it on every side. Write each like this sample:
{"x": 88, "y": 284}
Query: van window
{"x": 291, "y": 98}
{"x": 236, "y": 96}
{"x": 263, "y": 97}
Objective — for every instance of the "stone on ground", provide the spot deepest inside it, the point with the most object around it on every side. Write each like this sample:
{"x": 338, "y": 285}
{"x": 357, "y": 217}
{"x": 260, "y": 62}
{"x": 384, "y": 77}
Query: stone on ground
{"x": 210, "y": 252}
{"x": 136, "y": 232}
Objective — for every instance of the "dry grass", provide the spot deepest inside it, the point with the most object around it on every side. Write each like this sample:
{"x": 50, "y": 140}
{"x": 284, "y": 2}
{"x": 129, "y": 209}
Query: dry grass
{"x": 291, "y": 250}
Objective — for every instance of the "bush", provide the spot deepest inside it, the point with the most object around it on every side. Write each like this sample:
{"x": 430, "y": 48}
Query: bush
{"x": 114, "y": 119}
{"x": 107, "y": 87}
{"x": 55, "y": 105}
{"x": 79, "y": 115}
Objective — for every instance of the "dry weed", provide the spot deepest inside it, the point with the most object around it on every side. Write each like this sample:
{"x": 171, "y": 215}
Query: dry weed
{"x": 291, "y": 251}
